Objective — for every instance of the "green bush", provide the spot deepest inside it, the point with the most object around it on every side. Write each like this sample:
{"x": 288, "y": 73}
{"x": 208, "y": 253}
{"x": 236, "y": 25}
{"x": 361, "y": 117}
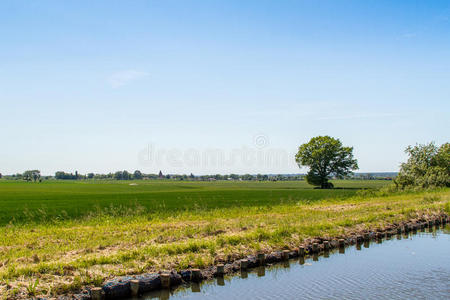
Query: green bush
{"x": 428, "y": 166}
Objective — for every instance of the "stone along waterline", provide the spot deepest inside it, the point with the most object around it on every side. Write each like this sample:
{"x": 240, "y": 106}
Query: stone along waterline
{"x": 408, "y": 265}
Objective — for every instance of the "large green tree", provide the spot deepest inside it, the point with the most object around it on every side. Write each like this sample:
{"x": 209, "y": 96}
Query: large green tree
{"x": 325, "y": 157}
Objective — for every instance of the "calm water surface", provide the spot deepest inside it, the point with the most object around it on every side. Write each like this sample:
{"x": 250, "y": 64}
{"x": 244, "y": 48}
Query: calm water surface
{"x": 406, "y": 267}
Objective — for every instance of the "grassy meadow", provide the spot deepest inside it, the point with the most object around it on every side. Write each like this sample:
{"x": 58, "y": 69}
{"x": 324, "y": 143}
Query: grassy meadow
{"x": 59, "y": 236}
{"x": 25, "y": 202}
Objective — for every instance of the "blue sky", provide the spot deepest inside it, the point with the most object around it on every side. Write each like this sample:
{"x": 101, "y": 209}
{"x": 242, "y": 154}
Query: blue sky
{"x": 218, "y": 86}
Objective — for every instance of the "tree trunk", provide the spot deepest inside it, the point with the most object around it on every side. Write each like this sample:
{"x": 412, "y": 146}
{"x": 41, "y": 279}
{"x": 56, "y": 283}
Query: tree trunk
{"x": 324, "y": 183}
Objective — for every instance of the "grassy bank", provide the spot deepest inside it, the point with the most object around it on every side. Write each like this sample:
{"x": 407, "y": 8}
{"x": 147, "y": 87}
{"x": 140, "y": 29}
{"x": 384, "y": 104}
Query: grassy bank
{"x": 63, "y": 255}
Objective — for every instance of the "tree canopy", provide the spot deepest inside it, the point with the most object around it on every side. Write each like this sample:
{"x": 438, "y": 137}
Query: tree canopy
{"x": 427, "y": 166}
{"x": 137, "y": 174}
{"x": 32, "y": 175}
{"x": 325, "y": 156}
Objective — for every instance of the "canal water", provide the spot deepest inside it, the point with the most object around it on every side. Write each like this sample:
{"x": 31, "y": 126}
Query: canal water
{"x": 415, "y": 266}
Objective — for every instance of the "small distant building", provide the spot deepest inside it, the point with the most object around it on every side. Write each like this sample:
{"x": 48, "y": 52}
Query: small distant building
{"x": 161, "y": 176}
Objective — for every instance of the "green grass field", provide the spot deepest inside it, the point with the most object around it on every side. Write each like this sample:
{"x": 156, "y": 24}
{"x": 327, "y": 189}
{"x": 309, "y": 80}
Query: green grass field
{"x": 58, "y": 236}
{"x": 23, "y": 202}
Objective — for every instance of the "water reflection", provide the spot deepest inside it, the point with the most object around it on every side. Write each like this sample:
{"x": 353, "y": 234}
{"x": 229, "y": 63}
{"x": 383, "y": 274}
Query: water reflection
{"x": 244, "y": 274}
{"x": 394, "y": 270}
{"x": 195, "y": 287}
{"x": 165, "y": 294}
{"x": 261, "y": 271}
{"x": 301, "y": 260}
{"x": 220, "y": 281}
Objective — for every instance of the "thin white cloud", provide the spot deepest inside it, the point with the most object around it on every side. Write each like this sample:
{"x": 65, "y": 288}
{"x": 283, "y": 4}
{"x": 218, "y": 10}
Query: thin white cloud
{"x": 409, "y": 35}
{"x": 121, "y": 78}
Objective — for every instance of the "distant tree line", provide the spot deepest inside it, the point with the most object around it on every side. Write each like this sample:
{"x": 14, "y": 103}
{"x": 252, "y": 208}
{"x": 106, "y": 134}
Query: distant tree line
{"x": 326, "y": 158}
{"x": 138, "y": 175}
{"x": 29, "y": 175}
{"x": 64, "y": 175}
{"x": 35, "y": 175}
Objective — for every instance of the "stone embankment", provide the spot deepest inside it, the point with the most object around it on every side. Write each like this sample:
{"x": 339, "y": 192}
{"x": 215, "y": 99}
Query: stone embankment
{"x": 127, "y": 286}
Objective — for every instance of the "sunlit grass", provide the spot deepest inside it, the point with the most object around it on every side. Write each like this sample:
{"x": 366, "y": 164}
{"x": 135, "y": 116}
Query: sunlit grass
{"x": 65, "y": 254}
{"x": 24, "y": 202}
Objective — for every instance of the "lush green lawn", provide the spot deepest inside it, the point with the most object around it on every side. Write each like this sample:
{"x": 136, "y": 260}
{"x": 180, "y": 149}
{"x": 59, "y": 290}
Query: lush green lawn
{"x": 23, "y": 202}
